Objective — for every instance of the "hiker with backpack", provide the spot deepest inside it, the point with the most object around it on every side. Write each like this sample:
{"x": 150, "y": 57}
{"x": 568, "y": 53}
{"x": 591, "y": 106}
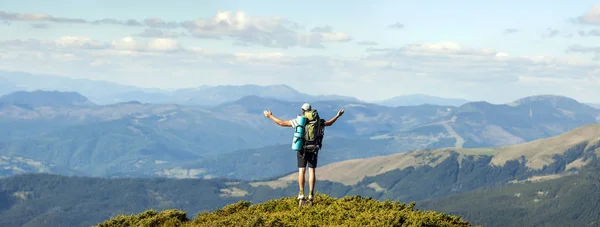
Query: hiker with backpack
{"x": 312, "y": 143}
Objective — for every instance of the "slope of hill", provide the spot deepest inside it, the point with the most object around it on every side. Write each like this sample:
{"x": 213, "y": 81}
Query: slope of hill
{"x": 429, "y": 173}
{"x": 568, "y": 201}
{"x": 347, "y": 211}
{"x": 421, "y": 99}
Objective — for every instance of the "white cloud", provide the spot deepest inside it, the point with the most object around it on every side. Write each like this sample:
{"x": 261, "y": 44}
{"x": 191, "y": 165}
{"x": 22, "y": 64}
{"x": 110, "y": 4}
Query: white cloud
{"x": 262, "y": 30}
{"x": 76, "y": 42}
{"x": 269, "y": 31}
{"x": 318, "y": 35}
{"x": 163, "y": 45}
{"x": 591, "y": 17}
{"x": 126, "y": 43}
{"x": 444, "y": 68}
{"x": 435, "y": 49}
{"x": 37, "y": 17}
{"x": 158, "y": 33}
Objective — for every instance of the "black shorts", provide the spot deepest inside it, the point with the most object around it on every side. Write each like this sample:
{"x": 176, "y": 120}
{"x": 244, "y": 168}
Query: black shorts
{"x": 309, "y": 158}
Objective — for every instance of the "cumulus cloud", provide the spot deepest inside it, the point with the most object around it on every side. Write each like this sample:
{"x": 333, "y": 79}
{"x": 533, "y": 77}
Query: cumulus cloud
{"x": 262, "y": 30}
{"x": 126, "y": 43}
{"x": 511, "y": 30}
{"x": 269, "y": 31}
{"x": 397, "y": 25}
{"x": 163, "y": 45}
{"x": 591, "y": 17}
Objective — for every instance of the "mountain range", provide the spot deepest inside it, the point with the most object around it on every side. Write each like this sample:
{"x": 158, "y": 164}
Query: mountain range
{"x": 65, "y": 133}
{"x": 103, "y": 92}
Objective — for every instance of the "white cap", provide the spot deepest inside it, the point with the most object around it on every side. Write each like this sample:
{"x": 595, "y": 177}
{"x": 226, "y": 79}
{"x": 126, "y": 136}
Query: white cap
{"x": 306, "y": 106}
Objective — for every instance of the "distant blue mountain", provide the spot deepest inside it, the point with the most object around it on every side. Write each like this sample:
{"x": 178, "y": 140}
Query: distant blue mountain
{"x": 421, "y": 99}
{"x": 102, "y": 92}
{"x": 45, "y": 98}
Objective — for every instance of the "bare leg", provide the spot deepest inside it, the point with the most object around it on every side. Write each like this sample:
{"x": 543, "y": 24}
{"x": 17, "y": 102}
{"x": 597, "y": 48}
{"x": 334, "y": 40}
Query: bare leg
{"x": 301, "y": 172}
{"x": 311, "y": 179}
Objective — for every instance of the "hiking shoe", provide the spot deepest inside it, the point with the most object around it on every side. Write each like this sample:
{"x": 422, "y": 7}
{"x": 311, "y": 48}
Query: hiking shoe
{"x": 310, "y": 197}
{"x": 300, "y": 196}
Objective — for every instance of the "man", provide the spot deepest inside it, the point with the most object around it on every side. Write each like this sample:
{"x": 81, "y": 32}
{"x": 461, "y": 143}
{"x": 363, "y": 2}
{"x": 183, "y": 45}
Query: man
{"x": 304, "y": 158}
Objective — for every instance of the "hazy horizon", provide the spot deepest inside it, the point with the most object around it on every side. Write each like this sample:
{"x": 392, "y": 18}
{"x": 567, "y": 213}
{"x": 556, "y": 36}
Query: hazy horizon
{"x": 497, "y": 52}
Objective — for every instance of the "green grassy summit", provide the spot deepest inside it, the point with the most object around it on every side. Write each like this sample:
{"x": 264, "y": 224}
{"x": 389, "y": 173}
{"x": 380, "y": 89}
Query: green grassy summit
{"x": 325, "y": 211}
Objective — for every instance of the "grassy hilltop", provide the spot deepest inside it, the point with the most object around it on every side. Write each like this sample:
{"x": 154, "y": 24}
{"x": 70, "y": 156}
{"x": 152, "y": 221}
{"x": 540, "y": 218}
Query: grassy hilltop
{"x": 325, "y": 211}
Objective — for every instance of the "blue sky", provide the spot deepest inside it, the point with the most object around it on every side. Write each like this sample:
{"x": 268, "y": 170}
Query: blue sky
{"x": 439, "y": 48}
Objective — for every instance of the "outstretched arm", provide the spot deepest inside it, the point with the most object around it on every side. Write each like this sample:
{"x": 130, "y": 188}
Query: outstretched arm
{"x": 277, "y": 121}
{"x": 332, "y": 120}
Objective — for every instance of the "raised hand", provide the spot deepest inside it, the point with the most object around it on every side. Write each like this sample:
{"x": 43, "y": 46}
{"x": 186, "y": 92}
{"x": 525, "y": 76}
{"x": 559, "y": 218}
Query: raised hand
{"x": 267, "y": 113}
{"x": 341, "y": 112}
